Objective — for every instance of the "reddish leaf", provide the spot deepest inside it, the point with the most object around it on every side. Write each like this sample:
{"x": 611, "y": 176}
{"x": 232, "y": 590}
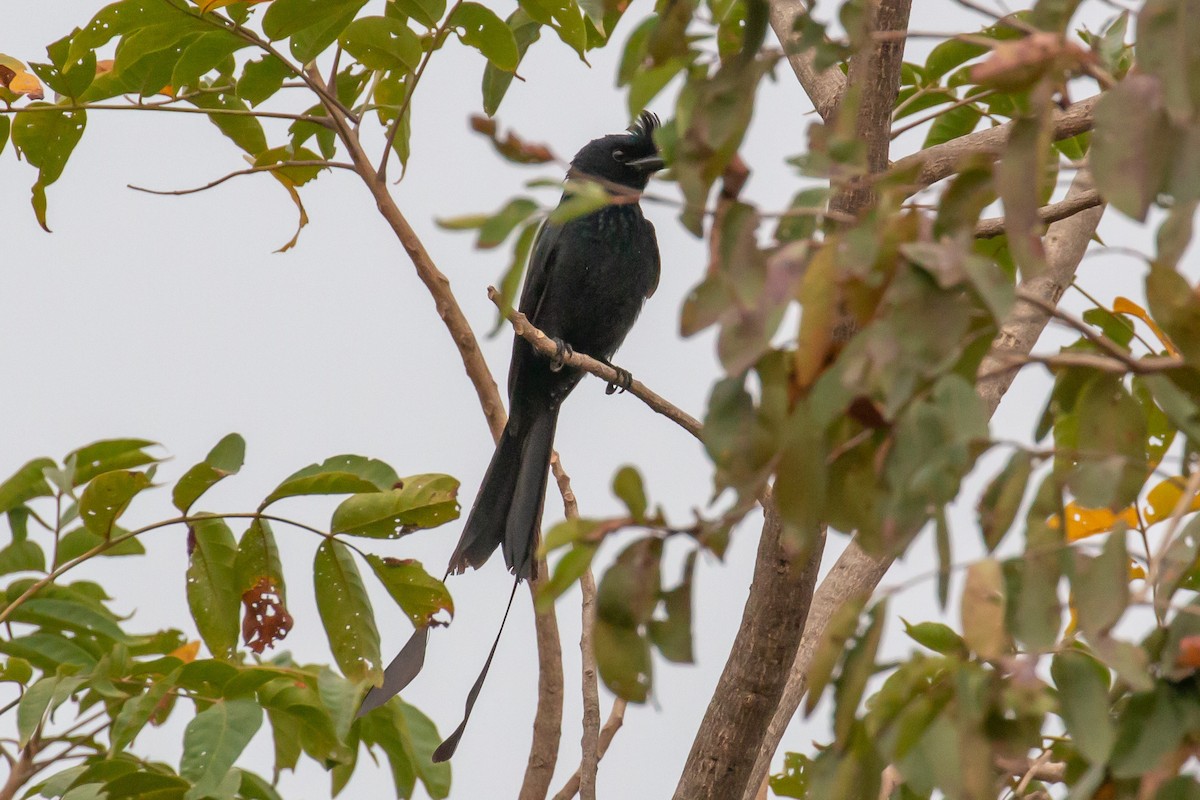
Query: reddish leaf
{"x": 265, "y": 620}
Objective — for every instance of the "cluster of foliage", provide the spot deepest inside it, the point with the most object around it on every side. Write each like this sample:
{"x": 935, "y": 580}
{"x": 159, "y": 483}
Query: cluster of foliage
{"x": 72, "y": 655}
{"x": 865, "y": 420}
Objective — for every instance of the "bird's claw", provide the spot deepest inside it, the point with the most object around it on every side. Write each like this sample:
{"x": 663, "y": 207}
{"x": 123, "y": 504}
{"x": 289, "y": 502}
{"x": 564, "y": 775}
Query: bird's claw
{"x": 623, "y": 382}
{"x": 562, "y": 352}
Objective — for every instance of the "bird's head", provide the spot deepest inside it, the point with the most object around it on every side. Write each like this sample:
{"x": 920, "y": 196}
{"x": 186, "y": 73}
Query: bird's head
{"x": 628, "y": 159}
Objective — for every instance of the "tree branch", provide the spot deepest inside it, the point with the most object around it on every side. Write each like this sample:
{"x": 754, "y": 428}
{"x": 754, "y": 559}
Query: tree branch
{"x": 940, "y": 161}
{"x": 826, "y": 88}
{"x": 240, "y": 172}
{"x": 856, "y": 573}
{"x": 721, "y": 762}
{"x": 994, "y": 226}
{"x": 544, "y": 345}
{"x": 615, "y": 718}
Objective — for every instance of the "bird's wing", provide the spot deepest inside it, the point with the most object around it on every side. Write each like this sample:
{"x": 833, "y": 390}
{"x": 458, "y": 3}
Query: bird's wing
{"x": 537, "y": 274}
{"x": 656, "y": 256}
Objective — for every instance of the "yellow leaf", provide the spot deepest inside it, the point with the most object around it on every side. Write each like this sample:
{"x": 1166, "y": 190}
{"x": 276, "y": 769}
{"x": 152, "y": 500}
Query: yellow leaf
{"x": 186, "y": 653}
{"x": 1084, "y": 522}
{"x": 1072, "y": 618}
{"x": 28, "y": 85}
{"x": 1136, "y": 572}
{"x": 1123, "y": 305}
{"x": 1162, "y": 499}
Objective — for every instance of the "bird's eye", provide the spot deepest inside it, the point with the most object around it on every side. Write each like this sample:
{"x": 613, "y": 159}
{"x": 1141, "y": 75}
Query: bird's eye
{"x": 618, "y": 155}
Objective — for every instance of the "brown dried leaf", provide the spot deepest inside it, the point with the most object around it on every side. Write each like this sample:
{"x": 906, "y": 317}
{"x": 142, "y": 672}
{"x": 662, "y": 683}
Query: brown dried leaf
{"x": 1018, "y": 64}
{"x": 266, "y": 619}
{"x": 511, "y": 146}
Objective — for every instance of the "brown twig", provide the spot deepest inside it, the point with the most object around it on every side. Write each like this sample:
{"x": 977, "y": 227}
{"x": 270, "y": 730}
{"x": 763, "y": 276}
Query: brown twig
{"x": 544, "y": 345}
{"x": 1116, "y": 366}
{"x": 994, "y": 226}
{"x": 240, "y": 172}
{"x": 616, "y": 718}
{"x": 589, "y": 760}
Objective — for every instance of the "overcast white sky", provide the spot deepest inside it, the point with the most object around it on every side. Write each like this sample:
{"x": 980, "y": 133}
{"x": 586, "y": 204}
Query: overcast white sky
{"x": 172, "y": 319}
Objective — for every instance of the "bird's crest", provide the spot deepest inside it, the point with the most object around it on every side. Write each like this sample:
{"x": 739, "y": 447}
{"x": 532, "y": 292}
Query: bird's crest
{"x": 643, "y": 128}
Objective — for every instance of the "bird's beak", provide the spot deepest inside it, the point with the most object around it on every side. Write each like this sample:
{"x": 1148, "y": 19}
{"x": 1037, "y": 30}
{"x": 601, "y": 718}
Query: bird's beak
{"x": 648, "y": 164}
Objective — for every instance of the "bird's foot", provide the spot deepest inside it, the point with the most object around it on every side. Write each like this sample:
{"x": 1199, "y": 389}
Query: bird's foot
{"x": 623, "y": 382}
{"x": 562, "y": 351}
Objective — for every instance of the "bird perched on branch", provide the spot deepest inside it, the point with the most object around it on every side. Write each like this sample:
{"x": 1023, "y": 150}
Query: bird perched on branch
{"x": 585, "y": 286}
{"x": 587, "y": 281}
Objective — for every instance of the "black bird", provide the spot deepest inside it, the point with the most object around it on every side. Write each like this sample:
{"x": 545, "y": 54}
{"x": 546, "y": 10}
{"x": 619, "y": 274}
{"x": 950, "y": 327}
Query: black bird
{"x": 585, "y": 286}
{"x": 587, "y": 281}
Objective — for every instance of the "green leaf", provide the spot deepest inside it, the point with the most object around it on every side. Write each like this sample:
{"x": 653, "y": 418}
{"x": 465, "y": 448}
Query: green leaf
{"x": 58, "y": 614}
{"x": 1099, "y": 586}
{"x": 426, "y": 12}
{"x": 479, "y": 27}
{"x": 225, "y": 459}
{"x": 262, "y": 79}
{"x": 495, "y": 229}
{"x": 24, "y": 556}
{"x": 79, "y": 541}
{"x": 309, "y": 43}
{"x": 1083, "y": 703}
{"x": 564, "y": 17}
{"x": 1000, "y": 502}
{"x": 46, "y": 138}
{"x": 856, "y": 671}
{"x": 338, "y": 475}
{"x": 496, "y": 81}
{"x": 382, "y": 43}
{"x": 244, "y": 131}
{"x": 212, "y": 591}
{"x": 1112, "y": 440}
{"x": 203, "y": 55}
{"x": 285, "y": 18}
{"x": 952, "y": 124}
{"x": 106, "y": 498}
{"x": 950, "y": 54}
{"x": 424, "y": 739}
{"x": 623, "y": 658}
{"x": 422, "y": 501}
{"x": 108, "y": 455}
{"x": 566, "y": 572}
{"x": 212, "y": 742}
{"x": 627, "y": 485}
{"x": 1150, "y": 726}
{"x": 1176, "y": 308}
{"x": 629, "y": 590}
{"x": 346, "y": 612}
{"x": 1131, "y": 144}
{"x": 16, "y": 670}
{"x": 48, "y": 651}
{"x": 5, "y": 126}
{"x": 258, "y": 558}
{"x": 937, "y": 637}
{"x": 420, "y": 594}
{"x": 27, "y": 483}
{"x": 510, "y": 283}
{"x": 840, "y": 628}
{"x": 673, "y": 635}
{"x": 137, "y": 711}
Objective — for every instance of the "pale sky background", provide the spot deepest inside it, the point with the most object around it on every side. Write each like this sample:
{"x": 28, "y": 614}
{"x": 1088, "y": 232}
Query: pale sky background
{"x": 172, "y": 319}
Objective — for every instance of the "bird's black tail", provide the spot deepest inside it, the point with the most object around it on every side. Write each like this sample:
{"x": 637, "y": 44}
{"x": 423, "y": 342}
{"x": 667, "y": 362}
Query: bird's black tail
{"x": 508, "y": 508}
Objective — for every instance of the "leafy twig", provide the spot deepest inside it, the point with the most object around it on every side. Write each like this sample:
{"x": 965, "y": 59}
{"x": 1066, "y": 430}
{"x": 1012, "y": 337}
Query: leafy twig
{"x": 250, "y": 171}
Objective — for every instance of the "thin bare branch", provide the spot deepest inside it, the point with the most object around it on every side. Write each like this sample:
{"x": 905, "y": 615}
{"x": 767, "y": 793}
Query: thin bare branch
{"x": 544, "y": 345}
{"x": 994, "y": 226}
{"x": 249, "y": 171}
{"x": 590, "y": 743}
{"x": 616, "y": 717}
